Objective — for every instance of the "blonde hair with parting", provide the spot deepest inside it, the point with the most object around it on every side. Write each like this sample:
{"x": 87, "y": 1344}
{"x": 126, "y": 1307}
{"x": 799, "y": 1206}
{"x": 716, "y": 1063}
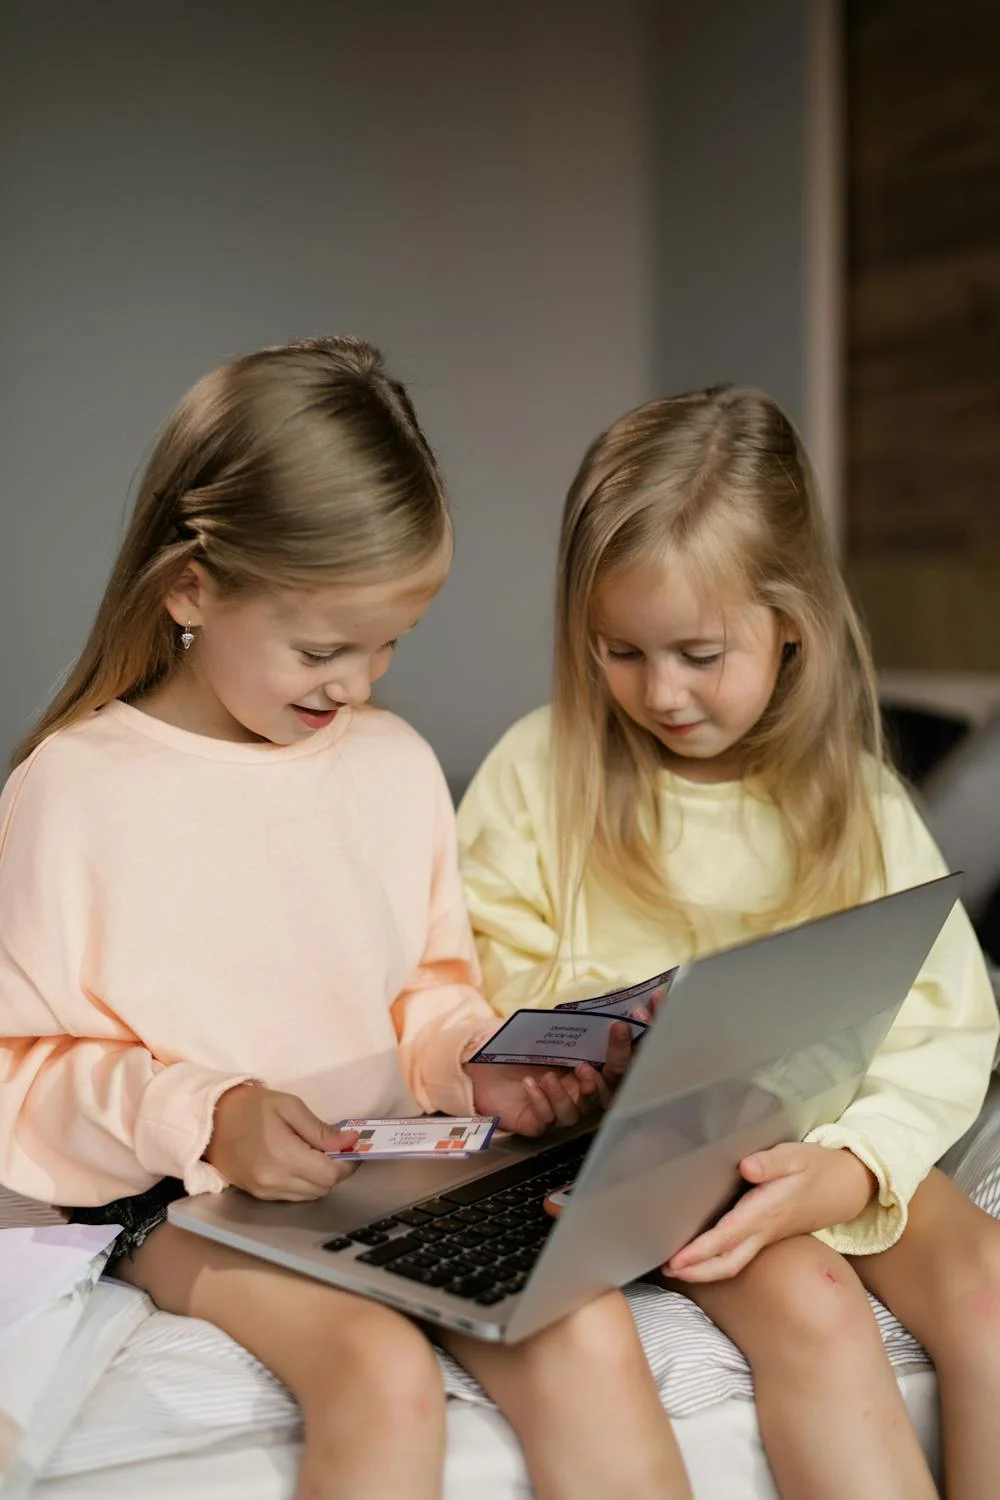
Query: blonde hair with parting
{"x": 718, "y": 480}
{"x": 299, "y": 466}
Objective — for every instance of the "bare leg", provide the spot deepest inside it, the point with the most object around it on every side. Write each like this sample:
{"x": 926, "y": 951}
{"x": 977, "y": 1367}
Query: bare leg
{"x": 832, "y": 1419}
{"x": 364, "y": 1376}
{"x": 582, "y": 1400}
{"x": 942, "y": 1280}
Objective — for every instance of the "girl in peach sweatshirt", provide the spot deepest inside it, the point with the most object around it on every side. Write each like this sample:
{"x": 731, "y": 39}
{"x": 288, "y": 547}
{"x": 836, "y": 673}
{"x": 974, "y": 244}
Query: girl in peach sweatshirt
{"x": 229, "y": 912}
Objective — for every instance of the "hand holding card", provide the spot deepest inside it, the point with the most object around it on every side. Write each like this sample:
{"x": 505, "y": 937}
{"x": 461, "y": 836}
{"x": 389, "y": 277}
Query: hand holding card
{"x": 530, "y": 1099}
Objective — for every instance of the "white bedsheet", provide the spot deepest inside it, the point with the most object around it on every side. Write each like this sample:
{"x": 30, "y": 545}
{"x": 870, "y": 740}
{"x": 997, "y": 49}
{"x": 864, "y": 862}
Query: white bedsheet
{"x": 721, "y": 1448}
{"x": 182, "y": 1405}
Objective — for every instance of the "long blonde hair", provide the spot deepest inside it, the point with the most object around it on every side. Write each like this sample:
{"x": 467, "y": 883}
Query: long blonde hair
{"x": 298, "y": 466}
{"x": 719, "y": 478}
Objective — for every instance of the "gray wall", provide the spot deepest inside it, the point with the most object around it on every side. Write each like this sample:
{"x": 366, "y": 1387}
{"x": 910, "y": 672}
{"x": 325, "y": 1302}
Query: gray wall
{"x": 532, "y": 206}
{"x": 730, "y": 136}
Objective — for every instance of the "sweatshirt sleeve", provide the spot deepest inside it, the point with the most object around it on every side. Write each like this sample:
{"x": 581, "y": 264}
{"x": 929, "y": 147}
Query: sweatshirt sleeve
{"x": 87, "y": 1113}
{"x": 504, "y": 837}
{"x": 440, "y": 1016}
{"x": 927, "y": 1082}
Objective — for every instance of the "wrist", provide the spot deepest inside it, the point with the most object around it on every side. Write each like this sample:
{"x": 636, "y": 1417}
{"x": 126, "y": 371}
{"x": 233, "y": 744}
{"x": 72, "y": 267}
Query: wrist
{"x": 222, "y": 1107}
{"x": 862, "y": 1177}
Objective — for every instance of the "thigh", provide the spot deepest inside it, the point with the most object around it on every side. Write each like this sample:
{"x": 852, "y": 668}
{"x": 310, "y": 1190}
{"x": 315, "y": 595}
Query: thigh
{"x": 297, "y": 1327}
{"x": 948, "y": 1250}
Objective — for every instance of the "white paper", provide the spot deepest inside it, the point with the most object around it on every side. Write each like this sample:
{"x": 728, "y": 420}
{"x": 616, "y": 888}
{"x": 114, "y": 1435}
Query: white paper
{"x": 552, "y": 1038}
{"x": 38, "y": 1265}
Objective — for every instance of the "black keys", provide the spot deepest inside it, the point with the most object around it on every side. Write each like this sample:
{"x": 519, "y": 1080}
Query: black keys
{"x": 369, "y": 1236}
{"x": 340, "y": 1243}
{"x": 480, "y": 1255}
{"x": 449, "y": 1225}
{"x": 470, "y": 1240}
{"x": 391, "y": 1250}
{"x": 423, "y": 1275}
{"x": 471, "y": 1286}
{"x": 496, "y": 1182}
{"x": 413, "y": 1216}
{"x": 438, "y": 1208}
{"x": 487, "y": 1230}
{"x": 428, "y": 1233}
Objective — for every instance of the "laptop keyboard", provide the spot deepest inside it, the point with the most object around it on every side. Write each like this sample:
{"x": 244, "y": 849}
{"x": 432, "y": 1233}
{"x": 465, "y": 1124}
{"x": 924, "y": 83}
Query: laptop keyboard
{"x": 478, "y": 1241}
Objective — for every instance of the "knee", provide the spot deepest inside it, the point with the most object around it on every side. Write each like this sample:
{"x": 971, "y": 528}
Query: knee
{"x": 809, "y": 1305}
{"x": 377, "y": 1354}
{"x": 600, "y": 1335}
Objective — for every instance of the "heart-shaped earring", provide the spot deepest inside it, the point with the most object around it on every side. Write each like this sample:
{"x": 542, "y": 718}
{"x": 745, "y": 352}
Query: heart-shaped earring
{"x": 187, "y": 637}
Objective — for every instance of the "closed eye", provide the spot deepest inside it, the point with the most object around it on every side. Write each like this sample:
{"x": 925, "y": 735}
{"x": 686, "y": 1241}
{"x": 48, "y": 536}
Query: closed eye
{"x": 623, "y": 653}
{"x": 702, "y": 661}
{"x": 317, "y": 658}
{"x": 320, "y": 658}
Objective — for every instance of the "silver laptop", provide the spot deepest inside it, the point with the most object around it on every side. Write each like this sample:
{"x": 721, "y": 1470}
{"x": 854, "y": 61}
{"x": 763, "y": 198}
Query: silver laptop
{"x": 755, "y": 1045}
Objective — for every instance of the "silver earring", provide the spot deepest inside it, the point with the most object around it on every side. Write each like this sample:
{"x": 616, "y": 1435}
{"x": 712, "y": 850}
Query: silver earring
{"x": 187, "y": 637}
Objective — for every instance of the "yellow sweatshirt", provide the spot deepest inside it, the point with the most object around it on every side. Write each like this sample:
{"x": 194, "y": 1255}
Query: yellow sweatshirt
{"x": 727, "y": 859}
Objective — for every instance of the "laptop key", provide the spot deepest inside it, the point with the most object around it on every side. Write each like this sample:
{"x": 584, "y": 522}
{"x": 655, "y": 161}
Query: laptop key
{"x": 417, "y": 1262}
{"x": 449, "y": 1225}
{"x": 468, "y": 1240}
{"x": 471, "y": 1286}
{"x": 413, "y": 1216}
{"x": 488, "y": 1298}
{"x": 428, "y": 1233}
{"x": 369, "y": 1236}
{"x": 341, "y": 1243}
{"x": 485, "y": 1231}
{"x": 436, "y": 1208}
{"x": 422, "y": 1274}
{"x": 391, "y": 1250}
{"x": 496, "y": 1182}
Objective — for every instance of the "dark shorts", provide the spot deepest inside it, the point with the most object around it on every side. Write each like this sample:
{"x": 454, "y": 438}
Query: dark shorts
{"x": 138, "y": 1215}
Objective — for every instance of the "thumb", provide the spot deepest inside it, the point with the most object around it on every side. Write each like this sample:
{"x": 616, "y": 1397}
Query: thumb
{"x": 767, "y": 1166}
{"x": 314, "y": 1131}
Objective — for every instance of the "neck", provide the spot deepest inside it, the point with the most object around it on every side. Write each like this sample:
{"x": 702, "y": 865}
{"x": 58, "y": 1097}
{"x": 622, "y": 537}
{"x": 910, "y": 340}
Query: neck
{"x": 185, "y": 702}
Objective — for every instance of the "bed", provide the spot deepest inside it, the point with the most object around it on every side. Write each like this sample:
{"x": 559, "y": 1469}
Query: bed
{"x": 179, "y": 1408}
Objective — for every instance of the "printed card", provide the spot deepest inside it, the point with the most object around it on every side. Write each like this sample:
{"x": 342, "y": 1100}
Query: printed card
{"x": 622, "y": 1003}
{"x": 545, "y": 1038}
{"x": 388, "y": 1139}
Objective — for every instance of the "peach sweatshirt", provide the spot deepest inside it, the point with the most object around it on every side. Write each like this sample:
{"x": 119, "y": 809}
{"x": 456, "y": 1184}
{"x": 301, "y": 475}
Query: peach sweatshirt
{"x": 179, "y": 914}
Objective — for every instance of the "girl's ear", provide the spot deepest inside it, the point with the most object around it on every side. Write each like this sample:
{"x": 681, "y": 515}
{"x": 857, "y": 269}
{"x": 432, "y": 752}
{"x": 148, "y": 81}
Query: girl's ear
{"x": 185, "y": 603}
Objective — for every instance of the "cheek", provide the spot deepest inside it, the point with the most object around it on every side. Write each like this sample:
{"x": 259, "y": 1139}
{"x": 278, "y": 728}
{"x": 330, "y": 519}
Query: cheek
{"x": 623, "y": 684}
{"x": 750, "y": 695}
{"x": 381, "y": 665}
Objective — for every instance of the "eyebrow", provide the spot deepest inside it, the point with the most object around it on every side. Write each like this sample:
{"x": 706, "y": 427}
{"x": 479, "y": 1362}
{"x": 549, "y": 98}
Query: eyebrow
{"x": 693, "y": 640}
{"x": 318, "y": 647}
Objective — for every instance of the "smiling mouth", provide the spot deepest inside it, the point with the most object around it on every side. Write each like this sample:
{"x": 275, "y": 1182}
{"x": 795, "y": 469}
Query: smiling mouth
{"x": 316, "y": 715}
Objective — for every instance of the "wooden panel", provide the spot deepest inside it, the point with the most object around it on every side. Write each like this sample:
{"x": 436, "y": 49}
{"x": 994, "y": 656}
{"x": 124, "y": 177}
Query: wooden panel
{"x": 932, "y": 612}
{"x": 923, "y": 335}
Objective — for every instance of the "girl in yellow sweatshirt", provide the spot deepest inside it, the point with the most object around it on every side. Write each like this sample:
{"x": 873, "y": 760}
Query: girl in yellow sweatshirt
{"x": 711, "y": 768}
{"x": 230, "y": 911}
